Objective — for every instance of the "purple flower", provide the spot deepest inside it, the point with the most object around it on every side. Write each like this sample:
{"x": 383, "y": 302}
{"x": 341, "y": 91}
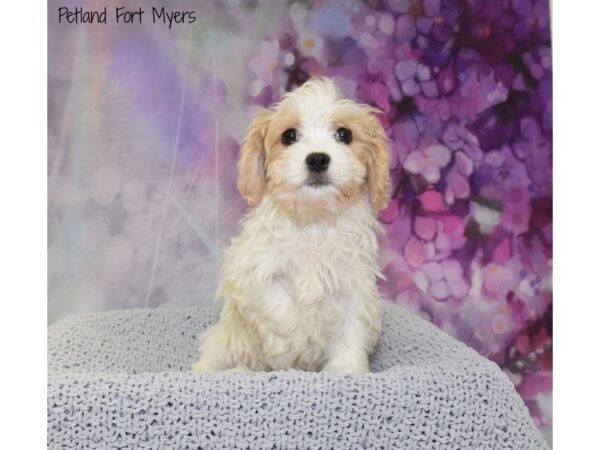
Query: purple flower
{"x": 533, "y": 18}
{"x": 534, "y": 149}
{"x": 428, "y": 162}
{"x": 425, "y": 17}
{"x": 405, "y": 138}
{"x": 425, "y": 227}
{"x": 406, "y": 26}
{"x": 439, "y": 20}
{"x": 457, "y": 137}
{"x": 541, "y": 102}
{"x": 443, "y": 280}
{"x": 539, "y": 62}
{"x": 415, "y": 78}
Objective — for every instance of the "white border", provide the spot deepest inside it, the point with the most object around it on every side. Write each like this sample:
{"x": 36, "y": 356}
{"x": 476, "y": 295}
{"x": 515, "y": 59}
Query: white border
{"x": 576, "y": 33}
{"x": 576, "y": 265}
{"x": 23, "y": 233}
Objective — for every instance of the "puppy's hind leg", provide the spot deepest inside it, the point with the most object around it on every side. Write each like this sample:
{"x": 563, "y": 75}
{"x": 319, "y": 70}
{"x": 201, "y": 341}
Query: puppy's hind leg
{"x": 228, "y": 345}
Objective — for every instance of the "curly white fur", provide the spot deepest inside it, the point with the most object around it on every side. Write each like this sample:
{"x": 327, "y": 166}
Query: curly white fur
{"x": 299, "y": 282}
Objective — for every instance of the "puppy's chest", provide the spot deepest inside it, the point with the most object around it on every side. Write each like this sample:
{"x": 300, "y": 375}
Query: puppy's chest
{"x": 318, "y": 262}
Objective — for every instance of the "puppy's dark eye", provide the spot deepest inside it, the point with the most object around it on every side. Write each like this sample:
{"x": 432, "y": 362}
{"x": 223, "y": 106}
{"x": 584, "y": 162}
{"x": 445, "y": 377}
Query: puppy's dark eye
{"x": 343, "y": 135}
{"x": 289, "y": 136}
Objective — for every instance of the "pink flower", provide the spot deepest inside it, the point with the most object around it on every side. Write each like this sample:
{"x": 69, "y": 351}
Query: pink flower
{"x": 391, "y": 213}
{"x": 519, "y": 313}
{"x": 450, "y": 235}
{"x": 431, "y": 200}
{"x": 414, "y": 253}
{"x": 501, "y": 253}
{"x": 425, "y": 228}
{"x": 458, "y": 178}
{"x": 428, "y": 162}
{"x": 454, "y": 226}
{"x": 445, "y": 280}
{"x": 497, "y": 281}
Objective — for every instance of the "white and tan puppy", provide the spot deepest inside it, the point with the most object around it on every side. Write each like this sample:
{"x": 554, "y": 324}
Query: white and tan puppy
{"x": 299, "y": 282}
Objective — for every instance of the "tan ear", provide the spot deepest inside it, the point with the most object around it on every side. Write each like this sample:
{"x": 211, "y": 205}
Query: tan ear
{"x": 378, "y": 172}
{"x": 252, "y": 177}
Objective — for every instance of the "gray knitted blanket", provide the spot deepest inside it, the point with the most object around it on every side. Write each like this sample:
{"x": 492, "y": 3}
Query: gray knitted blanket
{"x": 121, "y": 380}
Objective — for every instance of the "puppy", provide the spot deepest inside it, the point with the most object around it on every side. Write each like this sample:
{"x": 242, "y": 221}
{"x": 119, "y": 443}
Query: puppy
{"x": 299, "y": 282}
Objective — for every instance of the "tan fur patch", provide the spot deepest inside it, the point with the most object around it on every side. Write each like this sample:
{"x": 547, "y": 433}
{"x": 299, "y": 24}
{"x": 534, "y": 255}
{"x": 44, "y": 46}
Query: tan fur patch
{"x": 252, "y": 177}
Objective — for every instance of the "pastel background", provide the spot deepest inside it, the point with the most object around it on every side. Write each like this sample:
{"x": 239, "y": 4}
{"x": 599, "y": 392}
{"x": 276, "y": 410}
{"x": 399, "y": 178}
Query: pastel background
{"x": 145, "y": 124}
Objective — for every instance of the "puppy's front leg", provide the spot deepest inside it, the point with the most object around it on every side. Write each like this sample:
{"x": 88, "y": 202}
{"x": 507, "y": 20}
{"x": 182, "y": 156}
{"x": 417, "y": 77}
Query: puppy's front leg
{"x": 349, "y": 350}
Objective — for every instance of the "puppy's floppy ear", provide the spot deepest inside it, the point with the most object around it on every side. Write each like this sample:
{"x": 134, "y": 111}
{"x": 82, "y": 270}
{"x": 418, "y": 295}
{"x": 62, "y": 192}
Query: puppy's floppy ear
{"x": 378, "y": 171}
{"x": 252, "y": 176}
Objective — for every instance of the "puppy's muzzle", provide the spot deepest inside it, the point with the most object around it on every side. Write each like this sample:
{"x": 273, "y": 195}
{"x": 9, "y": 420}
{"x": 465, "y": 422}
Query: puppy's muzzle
{"x": 318, "y": 162}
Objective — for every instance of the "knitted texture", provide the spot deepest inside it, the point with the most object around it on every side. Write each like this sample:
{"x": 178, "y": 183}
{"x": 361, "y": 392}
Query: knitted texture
{"x": 121, "y": 380}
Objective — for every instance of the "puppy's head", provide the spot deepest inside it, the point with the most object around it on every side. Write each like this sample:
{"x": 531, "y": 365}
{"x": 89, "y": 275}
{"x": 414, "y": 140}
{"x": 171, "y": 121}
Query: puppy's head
{"x": 315, "y": 153}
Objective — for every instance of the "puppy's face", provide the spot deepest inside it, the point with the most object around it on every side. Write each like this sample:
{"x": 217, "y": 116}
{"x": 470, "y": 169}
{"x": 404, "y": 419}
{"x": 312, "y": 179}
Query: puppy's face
{"x": 315, "y": 153}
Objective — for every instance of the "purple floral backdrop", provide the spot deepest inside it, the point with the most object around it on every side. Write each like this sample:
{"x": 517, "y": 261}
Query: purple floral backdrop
{"x": 466, "y": 93}
{"x": 465, "y": 90}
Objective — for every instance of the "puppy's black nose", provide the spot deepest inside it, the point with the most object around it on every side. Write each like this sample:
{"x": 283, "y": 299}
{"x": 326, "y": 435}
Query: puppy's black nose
{"x": 317, "y": 162}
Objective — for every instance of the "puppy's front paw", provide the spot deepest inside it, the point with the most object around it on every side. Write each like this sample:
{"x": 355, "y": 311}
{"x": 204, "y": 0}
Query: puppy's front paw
{"x": 238, "y": 368}
{"x": 343, "y": 367}
{"x": 202, "y": 366}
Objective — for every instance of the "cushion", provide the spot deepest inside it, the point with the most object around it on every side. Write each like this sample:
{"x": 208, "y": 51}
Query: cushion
{"x": 122, "y": 379}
